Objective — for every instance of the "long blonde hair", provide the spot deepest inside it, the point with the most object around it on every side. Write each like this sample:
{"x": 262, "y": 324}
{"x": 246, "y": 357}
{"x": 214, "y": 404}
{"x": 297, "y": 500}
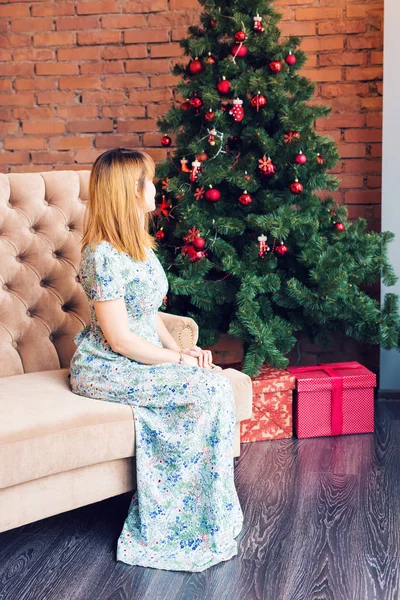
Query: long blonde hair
{"x": 113, "y": 207}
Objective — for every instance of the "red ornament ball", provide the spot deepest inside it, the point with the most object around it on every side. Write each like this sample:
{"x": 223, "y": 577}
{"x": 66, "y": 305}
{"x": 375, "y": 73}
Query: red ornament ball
{"x": 210, "y": 59}
{"x": 166, "y": 140}
{"x": 320, "y": 159}
{"x": 301, "y": 159}
{"x": 258, "y": 101}
{"x": 196, "y": 102}
{"x": 212, "y": 23}
{"x": 213, "y": 195}
{"x": 290, "y": 59}
{"x": 239, "y": 50}
{"x": 281, "y": 249}
{"x": 245, "y": 199}
{"x": 209, "y": 116}
{"x": 240, "y": 36}
{"x": 340, "y": 226}
{"x": 296, "y": 187}
{"x": 160, "y": 234}
{"x": 202, "y": 157}
{"x": 224, "y": 86}
{"x": 191, "y": 252}
{"x": 199, "y": 243}
{"x": 195, "y": 66}
{"x": 185, "y": 105}
{"x": 275, "y": 66}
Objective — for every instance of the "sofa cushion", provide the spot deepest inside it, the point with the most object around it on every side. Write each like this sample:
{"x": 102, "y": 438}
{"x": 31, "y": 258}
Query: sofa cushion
{"x": 47, "y": 429}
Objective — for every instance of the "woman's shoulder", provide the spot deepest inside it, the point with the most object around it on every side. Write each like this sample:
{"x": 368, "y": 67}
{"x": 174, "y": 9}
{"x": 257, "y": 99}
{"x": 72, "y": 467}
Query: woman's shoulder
{"x": 101, "y": 249}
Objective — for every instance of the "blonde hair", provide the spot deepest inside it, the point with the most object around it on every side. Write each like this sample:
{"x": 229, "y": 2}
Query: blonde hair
{"x": 114, "y": 208}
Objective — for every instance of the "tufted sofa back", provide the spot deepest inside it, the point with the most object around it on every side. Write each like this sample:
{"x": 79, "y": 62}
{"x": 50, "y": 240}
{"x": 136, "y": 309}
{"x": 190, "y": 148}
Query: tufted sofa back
{"x": 42, "y": 304}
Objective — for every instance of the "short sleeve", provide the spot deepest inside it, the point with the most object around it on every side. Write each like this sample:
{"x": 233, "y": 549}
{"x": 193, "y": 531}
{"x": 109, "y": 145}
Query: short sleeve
{"x": 106, "y": 281}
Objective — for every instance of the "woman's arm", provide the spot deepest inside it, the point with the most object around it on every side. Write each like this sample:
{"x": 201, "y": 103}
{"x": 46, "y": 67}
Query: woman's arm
{"x": 166, "y": 338}
{"x": 113, "y": 320}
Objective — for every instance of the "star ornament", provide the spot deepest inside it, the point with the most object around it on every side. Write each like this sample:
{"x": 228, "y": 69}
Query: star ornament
{"x": 163, "y": 208}
{"x": 199, "y": 193}
{"x": 266, "y": 165}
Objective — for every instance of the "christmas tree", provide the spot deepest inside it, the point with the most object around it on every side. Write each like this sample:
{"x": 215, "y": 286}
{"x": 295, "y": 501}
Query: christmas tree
{"x": 248, "y": 245}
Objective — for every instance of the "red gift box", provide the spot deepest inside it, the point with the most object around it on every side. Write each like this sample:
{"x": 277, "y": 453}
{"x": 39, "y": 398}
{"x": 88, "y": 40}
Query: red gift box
{"x": 272, "y": 406}
{"x": 333, "y": 399}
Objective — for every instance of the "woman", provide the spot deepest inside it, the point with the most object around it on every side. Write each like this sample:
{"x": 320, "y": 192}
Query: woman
{"x": 185, "y": 512}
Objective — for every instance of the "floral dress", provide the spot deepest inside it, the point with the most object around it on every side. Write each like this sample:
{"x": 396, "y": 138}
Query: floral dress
{"x": 185, "y": 512}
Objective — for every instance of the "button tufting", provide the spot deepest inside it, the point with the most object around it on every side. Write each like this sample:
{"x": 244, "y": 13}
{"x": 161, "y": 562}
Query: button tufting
{"x": 51, "y": 338}
{"x": 32, "y": 229}
{"x": 14, "y": 344}
{"x": 5, "y": 287}
{"x": 28, "y": 313}
{"x": 18, "y": 259}
{"x": 45, "y": 202}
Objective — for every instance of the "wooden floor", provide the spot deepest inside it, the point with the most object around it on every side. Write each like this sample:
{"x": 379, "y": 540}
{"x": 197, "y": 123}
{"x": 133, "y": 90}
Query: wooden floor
{"x": 322, "y": 521}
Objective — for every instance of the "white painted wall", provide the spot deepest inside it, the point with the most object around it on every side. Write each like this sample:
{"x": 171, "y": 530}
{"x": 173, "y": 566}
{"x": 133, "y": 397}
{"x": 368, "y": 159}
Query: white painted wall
{"x": 390, "y": 360}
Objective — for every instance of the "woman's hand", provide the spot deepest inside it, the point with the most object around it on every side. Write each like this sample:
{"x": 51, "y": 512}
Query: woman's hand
{"x": 204, "y": 357}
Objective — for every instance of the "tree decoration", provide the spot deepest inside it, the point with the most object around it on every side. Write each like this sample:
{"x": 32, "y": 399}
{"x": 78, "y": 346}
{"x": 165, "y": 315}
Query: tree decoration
{"x": 320, "y": 159}
{"x": 292, "y": 135}
{"x": 210, "y": 115}
{"x": 296, "y": 187}
{"x": 290, "y": 59}
{"x": 211, "y": 137}
{"x": 196, "y": 102}
{"x": 199, "y": 193}
{"x": 192, "y": 253}
{"x": 185, "y": 105}
{"x": 257, "y": 23}
{"x": 237, "y": 111}
{"x": 163, "y": 207}
{"x": 202, "y": 156}
{"x": 195, "y": 66}
{"x": 247, "y": 176}
{"x": 301, "y": 158}
{"x": 213, "y": 195}
{"x": 184, "y": 166}
{"x": 160, "y": 234}
{"x": 340, "y": 226}
{"x": 199, "y": 243}
{"x": 196, "y": 166}
{"x": 281, "y": 249}
{"x": 210, "y": 59}
{"x": 245, "y": 199}
{"x": 275, "y": 66}
{"x": 258, "y": 101}
{"x": 166, "y": 141}
{"x": 263, "y": 246}
{"x": 240, "y": 36}
{"x": 224, "y": 86}
{"x": 239, "y": 50}
{"x": 266, "y": 165}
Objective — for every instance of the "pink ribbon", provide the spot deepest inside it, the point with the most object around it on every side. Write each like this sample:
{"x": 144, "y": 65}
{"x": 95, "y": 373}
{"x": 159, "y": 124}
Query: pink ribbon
{"x": 337, "y": 389}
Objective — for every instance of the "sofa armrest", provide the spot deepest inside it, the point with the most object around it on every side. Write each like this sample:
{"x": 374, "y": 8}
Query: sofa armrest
{"x": 184, "y": 330}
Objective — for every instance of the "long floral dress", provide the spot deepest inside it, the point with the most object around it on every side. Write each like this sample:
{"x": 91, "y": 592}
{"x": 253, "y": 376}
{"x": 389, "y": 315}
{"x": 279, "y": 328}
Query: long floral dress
{"x": 185, "y": 512}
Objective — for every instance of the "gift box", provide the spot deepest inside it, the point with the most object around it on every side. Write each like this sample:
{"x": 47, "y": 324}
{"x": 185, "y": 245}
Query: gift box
{"x": 333, "y": 399}
{"x": 272, "y": 406}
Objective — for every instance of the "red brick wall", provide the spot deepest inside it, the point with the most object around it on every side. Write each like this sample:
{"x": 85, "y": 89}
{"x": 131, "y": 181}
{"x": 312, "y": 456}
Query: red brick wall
{"x": 80, "y": 77}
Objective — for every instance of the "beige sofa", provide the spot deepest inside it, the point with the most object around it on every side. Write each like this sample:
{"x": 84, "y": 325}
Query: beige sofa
{"x": 58, "y": 450}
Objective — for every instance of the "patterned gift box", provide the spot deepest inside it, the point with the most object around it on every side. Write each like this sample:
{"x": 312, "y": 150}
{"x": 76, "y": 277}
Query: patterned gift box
{"x": 333, "y": 399}
{"x": 272, "y": 406}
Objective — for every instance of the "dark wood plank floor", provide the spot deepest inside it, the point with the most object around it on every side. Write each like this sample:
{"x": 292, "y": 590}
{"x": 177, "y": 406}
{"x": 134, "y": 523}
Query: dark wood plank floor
{"x": 322, "y": 521}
